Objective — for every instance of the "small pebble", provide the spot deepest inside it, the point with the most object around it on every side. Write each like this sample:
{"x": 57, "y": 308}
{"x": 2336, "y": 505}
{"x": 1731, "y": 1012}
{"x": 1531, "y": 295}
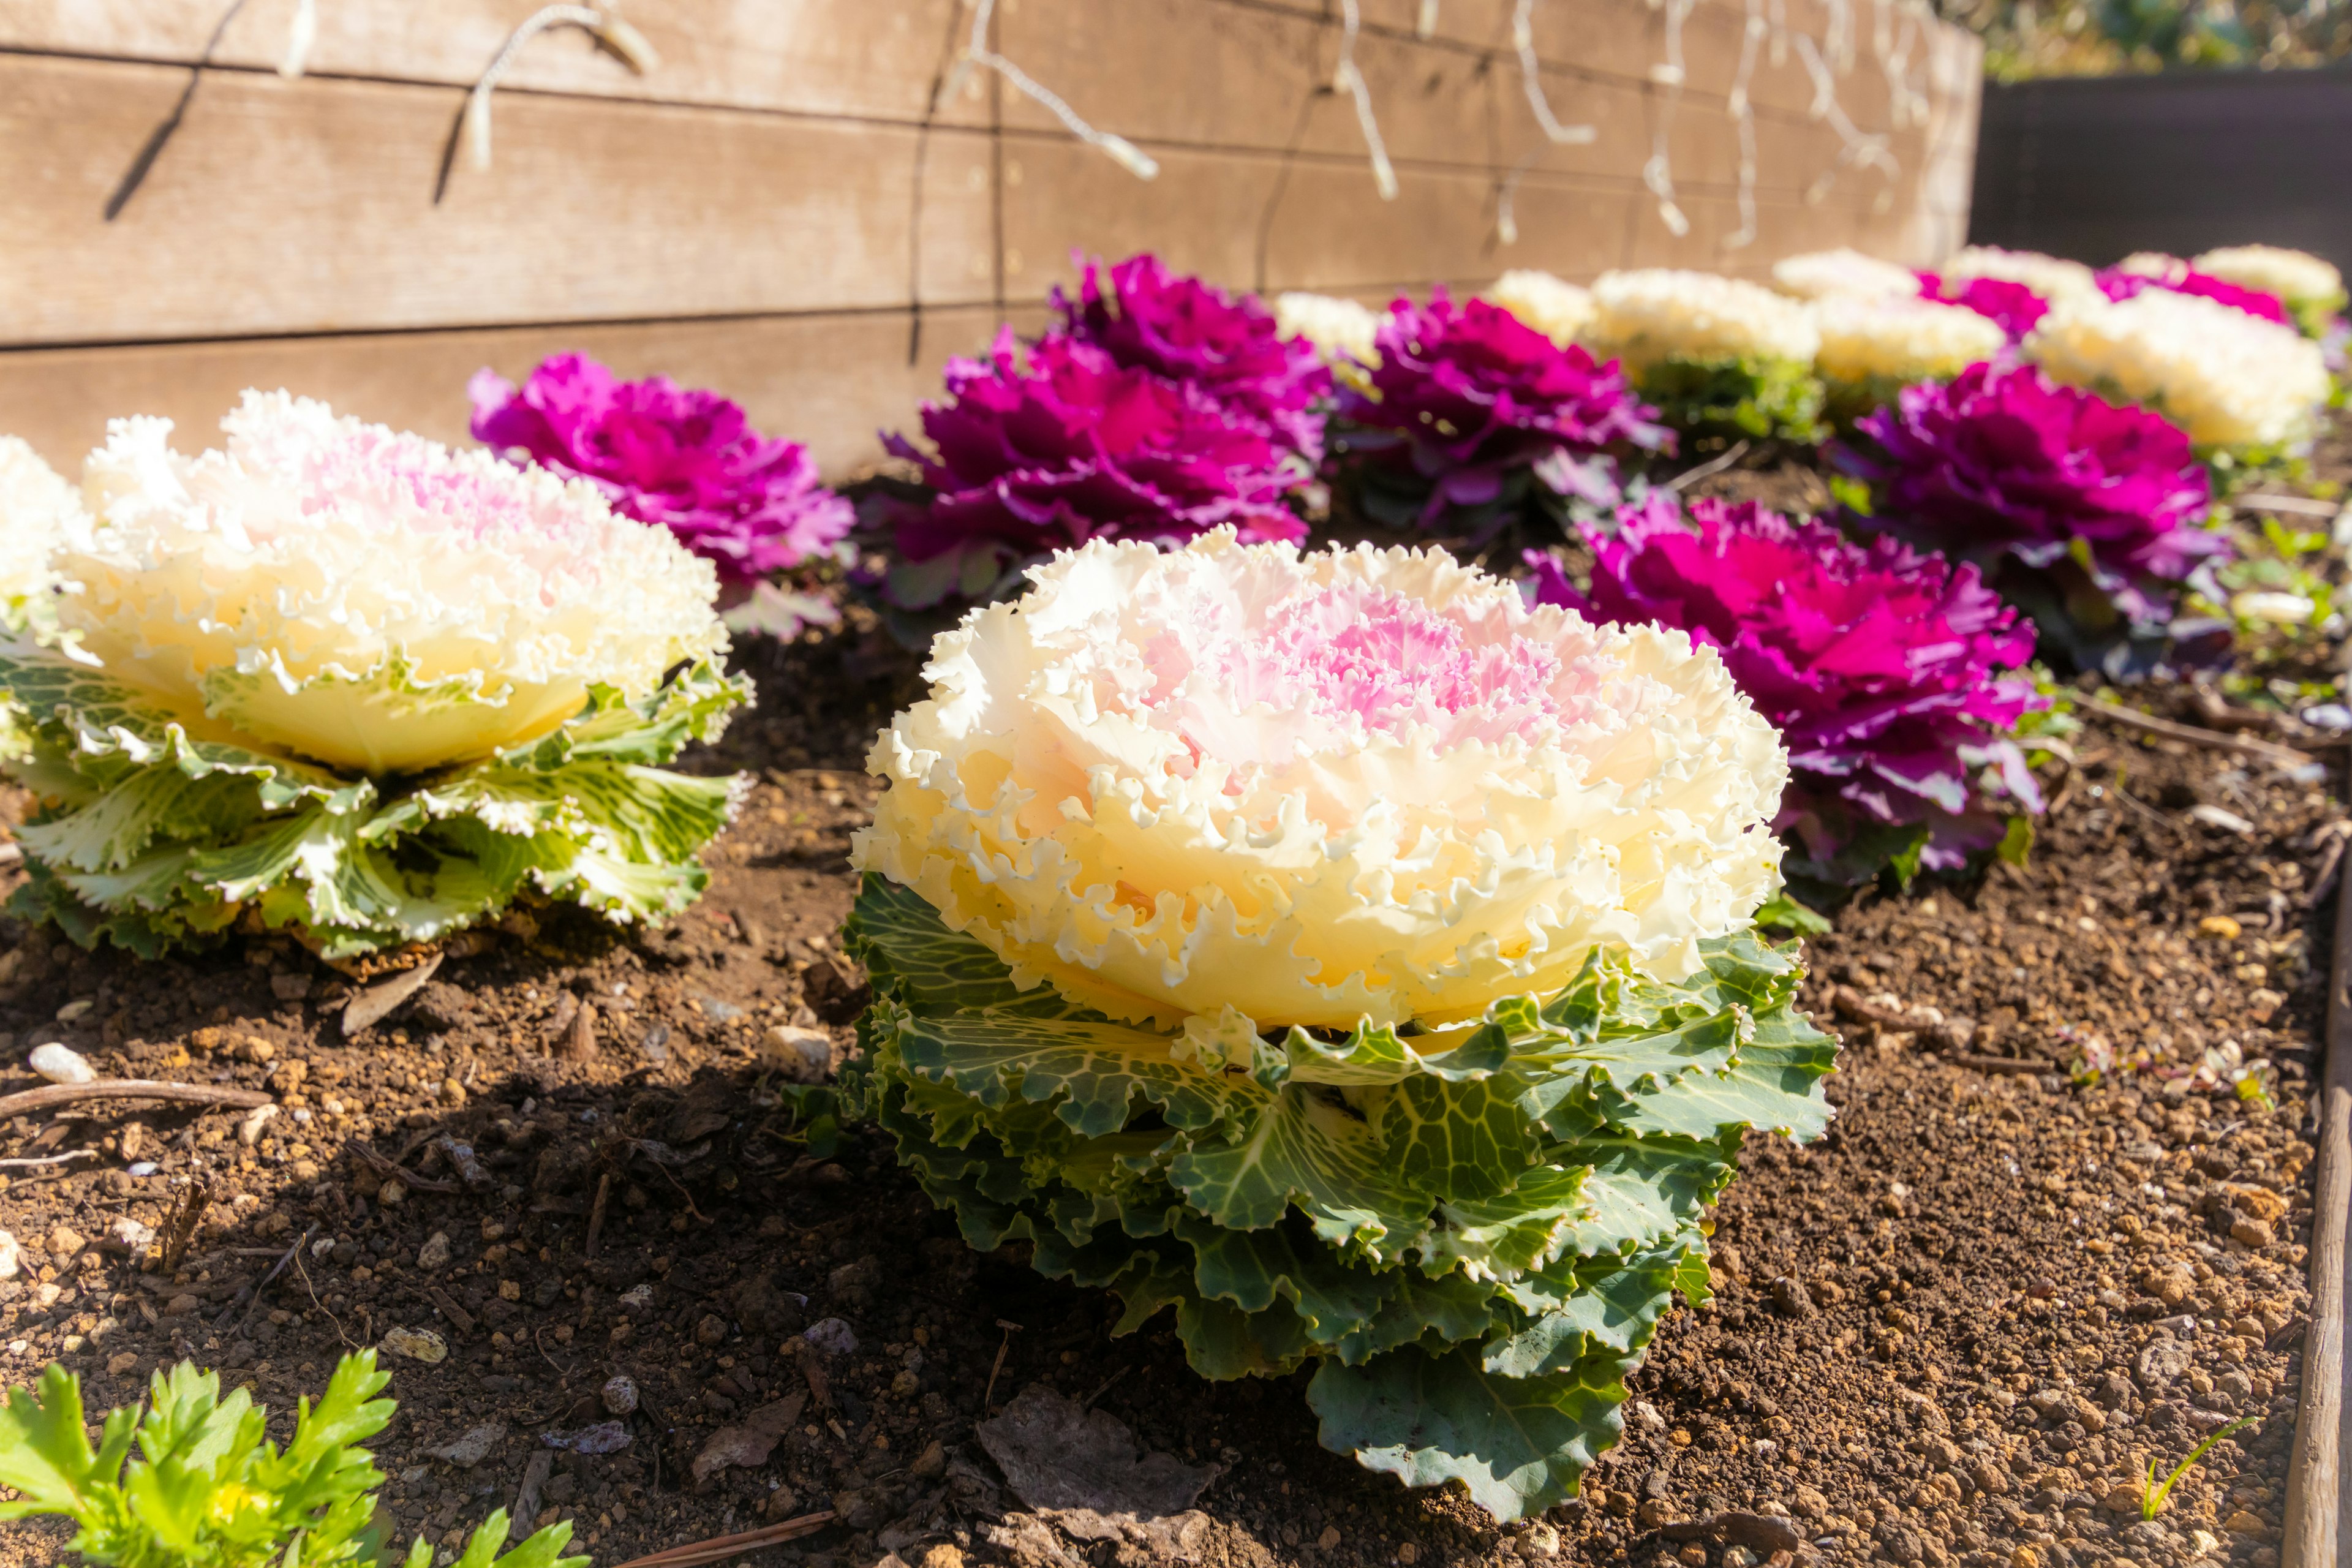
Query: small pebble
{"x": 832, "y": 1336}
{"x": 435, "y": 1253}
{"x": 417, "y": 1344}
{"x": 620, "y": 1394}
{"x": 60, "y": 1064}
{"x": 79, "y": 1008}
{"x": 141, "y": 1168}
{"x": 11, "y": 1257}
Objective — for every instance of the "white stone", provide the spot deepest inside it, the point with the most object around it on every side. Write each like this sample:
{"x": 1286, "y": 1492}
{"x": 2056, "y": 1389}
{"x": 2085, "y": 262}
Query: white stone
{"x": 60, "y": 1064}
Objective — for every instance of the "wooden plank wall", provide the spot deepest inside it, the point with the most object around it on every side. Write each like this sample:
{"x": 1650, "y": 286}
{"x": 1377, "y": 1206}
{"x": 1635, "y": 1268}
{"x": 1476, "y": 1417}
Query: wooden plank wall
{"x": 776, "y": 211}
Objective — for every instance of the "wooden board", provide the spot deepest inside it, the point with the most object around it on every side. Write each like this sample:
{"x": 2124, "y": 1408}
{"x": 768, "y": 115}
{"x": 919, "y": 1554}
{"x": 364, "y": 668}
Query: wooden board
{"x": 831, "y": 381}
{"x": 307, "y": 206}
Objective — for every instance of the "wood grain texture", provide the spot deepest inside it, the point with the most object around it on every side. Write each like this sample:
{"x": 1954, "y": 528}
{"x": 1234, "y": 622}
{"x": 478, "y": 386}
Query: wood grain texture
{"x": 307, "y": 206}
{"x": 831, "y": 381}
{"x": 2318, "y": 1508}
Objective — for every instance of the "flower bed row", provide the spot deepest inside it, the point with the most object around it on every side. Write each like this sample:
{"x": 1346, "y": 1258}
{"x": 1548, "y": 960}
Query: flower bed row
{"x": 1349, "y": 950}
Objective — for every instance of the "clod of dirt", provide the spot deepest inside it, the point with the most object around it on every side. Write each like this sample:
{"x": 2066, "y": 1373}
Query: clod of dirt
{"x": 1057, "y": 1454}
{"x": 416, "y": 1344}
{"x": 474, "y": 1447}
{"x": 852, "y": 1284}
{"x": 1758, "y": 1531}
{"x": 578, "y": 1043}
{"x": 832, "y": 1336}
{"x": 749, "y": 1442}
{"x": 802, "y": 1056}
{"x": 378, "y": 1002}
{"x": 603, "y": 1437}
{"x": 620, "y": 1393}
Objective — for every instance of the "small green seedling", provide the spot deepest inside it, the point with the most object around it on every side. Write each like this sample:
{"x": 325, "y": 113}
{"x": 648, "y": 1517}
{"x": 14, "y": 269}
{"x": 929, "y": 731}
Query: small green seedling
{"x": 2152, "y": 1496}
{"x": 209, "y": 1491}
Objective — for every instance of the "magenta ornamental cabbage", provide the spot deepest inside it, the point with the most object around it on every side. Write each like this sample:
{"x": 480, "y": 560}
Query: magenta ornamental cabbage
{"x": 1472, "y": 415}
{"x": 1148, "y": 317}
{"x": 2016, "y": 308}
{"x": 2089, "y": 516}
{"x": 1046, "y": 451}
{"x": 2120, "y": 285}
{"x": 1892, "y": 676}
{"x": 661, "y": 453}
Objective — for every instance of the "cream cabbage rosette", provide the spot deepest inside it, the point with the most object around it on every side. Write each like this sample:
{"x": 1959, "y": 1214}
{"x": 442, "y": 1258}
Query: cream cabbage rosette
{"x": 1718, "y": 355}
{"x": 1843, "y": 274}
{"x": 1320, "y": 788}
{"x": 1873, "y": 348}
{"x": 1553, "y": 306}
{"x": 2247, "y": 391}
{"x": 1342, "y": 331}
{"x": 362, "y": 686}
{"x": 2312, "y": 286}
{"x": 1396, "y": 1014}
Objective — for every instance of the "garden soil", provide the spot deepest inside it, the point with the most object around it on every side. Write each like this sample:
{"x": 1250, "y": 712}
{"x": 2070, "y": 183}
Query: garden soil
{"x": 2034, "y": 1256}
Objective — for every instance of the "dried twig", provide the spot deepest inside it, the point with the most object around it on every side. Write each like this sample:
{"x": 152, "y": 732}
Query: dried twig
{"x": 401, "y": 1173}
{"x": 720, "y": 1548}
{"x": 253, "y": 1301}
{"x": 2023, "y": 1067}
{"x": 2269, "y": 750}
{"x": 49, "y": 1159}
{"x": 1711, "y": 466}
{"x": 450, "y": 1310}
{"x": 179, "y": 1225}
{"x": 1010, "y": 1330}
{"x": 55, "y": 1094}
{"x": 597, "y": 1213}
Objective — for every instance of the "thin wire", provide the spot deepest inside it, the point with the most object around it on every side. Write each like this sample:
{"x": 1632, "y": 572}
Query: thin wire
{"x": 1658, "y": 174}
{"x": 1743, "y": 113}
{"x": 300, "y": 34}
{"x": 1121, "y": 150}
{"x": 605, "y": 25}
{"x": 1347, "y": 78}
{"x": 1523, "y": 39}
{"x": 1855, "y": 147}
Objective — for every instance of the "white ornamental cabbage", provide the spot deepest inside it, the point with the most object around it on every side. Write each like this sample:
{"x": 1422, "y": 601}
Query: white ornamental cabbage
{"x": 1316, "y": 789}
{"x": 37, "y": 506}
{"x": 2236, "y": 383}
{"x": 2312, "y": 286}
{"x": 1340, "y": 330}
{"x": 1552, "y": 306}
{"x": 1880, "y": 344}
{"x": 1717, "y": 355}
{"x": 2053, "y": 278}
{"x": 1843, "y": 273}
{"x": 349, "y": 682}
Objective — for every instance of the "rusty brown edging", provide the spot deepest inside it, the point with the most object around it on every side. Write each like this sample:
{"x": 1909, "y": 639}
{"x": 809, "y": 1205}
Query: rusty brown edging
{"x": 2316, "y": 1531}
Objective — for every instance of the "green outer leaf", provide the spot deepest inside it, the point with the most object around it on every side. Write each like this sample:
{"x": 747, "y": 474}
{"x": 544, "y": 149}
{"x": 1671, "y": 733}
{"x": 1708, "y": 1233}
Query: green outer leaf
{"x": 1518, "y": 1445}
{"x": 160, "y": 830}
{"x": 1475, "y": 1231}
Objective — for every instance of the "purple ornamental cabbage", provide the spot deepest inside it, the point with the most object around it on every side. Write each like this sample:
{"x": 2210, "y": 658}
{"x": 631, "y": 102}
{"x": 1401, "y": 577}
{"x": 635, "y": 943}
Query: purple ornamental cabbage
{"x": 1468, "y": 403}
{"x": 2187, "y": 281}
{"x": 2090, "y": 516}
{"x": 2012, "y": 306}
{"x": 1892, "y": 676}
{"x": 664, "y": 454}
{"x": 1045, "y": 451}
{"x": 1148, "y": 317}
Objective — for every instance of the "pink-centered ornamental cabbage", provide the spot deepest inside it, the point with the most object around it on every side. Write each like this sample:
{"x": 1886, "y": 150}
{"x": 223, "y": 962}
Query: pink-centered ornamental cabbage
{"x": 2090, "y": 516}
{"x": 1229, "y": 346}
{"x": 687, "y": 461}
{"x": 1473, "y": 414}
{"x": 1049, "y": 449}
{"x": 1892, "y": 677}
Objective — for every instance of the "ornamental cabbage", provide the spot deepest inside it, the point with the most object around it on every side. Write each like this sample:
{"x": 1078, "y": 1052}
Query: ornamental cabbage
{"x": 1718, "y": 356}
{"x": 2015, "y": 309}
{"x": 352, "y": 684}
{"x": 37, "y": 505}
{"x": 2053, "y": 279}
{"x": 2092, "y": 518}
{"x": 1343, "y": 332}
{"x": 1843, "y": 274}
{"x": 1873, "y": 348}
{"x": 2247, "y": 391}
{"x": 1341, "y": 953}
{"x": 2312, "y": 287}
{"x": 1230, "y": 347}
{"x": 1552, "y": 306}
{"x": 1894, "y": 677}
{"x": 1472, "y": 419}
{"x": 687, "y": 460}
{"x": 2145, "y": 269}
{"x": 1046, "y": 451}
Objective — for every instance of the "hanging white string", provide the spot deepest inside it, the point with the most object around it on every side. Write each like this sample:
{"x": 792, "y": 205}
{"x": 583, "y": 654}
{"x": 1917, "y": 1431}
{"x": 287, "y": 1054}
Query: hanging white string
{"x": 1855, "y": 147}
{"x": 300, "y": 34}
{"x": 976, "y": 52}
{"x": 1347, "y": 78}
{"x": 604, "y": 26}
{"x": 1837, "y": 38}
{"x": 1658, "y": 174}
{"x": 1523, "y": 39}
{"x": 1743, "y": 114}
{"x": 1778, "y": 12}
{"x": 1425, "y": 22}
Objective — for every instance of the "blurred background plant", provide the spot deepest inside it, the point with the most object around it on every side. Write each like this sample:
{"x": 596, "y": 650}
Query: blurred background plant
{"x": 2108, "y": 38}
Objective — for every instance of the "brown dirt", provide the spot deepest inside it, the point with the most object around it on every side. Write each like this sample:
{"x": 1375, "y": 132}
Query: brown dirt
{"x": 1952, "y": 1330}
